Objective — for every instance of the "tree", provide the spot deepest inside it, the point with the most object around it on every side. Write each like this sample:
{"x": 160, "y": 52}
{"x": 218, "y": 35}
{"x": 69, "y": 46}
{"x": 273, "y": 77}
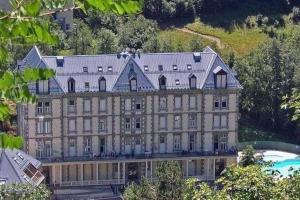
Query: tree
{"x": 169, "y": 184}
{"x": 106, "y": 41}
{"x": 248, "y": 157}
{"x": 152, "y": 45}
{"x": 136, "y": 31}
{"x": 196, "y": 45}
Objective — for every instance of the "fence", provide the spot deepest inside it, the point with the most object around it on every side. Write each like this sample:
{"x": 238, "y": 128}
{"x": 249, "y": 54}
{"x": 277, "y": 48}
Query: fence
{"x": 271, "y": 145}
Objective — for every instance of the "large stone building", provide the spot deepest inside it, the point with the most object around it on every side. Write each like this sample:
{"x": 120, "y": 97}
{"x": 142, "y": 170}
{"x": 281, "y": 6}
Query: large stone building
{"x": 108, "y": 119}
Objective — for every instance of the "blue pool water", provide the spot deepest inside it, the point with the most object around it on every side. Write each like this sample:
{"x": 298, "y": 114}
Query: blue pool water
{"x": 283, "y": 161}
{"x": 285, "y": 166}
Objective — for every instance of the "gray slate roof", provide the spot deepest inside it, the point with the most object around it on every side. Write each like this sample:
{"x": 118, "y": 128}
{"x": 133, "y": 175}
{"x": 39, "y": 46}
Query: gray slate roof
{"x": 117, "y": 79}
{"x": 12, "y": 171}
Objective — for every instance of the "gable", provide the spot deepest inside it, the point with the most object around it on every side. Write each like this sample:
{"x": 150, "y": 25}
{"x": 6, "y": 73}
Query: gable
{"x": 132, "y": 70}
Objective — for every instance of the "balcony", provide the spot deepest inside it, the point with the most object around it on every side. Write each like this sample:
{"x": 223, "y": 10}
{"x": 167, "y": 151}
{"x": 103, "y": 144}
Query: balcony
{"x": 146, "y": 155}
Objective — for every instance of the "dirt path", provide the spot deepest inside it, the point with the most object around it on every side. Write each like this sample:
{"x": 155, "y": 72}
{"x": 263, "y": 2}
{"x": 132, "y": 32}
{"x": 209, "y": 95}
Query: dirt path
{"x": 209, "y": 37}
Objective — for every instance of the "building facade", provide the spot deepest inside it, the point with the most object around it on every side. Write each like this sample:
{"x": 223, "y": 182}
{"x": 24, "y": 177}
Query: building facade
{"x": 109, "y": 119}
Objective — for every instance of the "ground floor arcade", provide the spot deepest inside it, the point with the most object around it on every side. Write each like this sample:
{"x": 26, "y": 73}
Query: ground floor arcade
{"x": 123, "y": 171}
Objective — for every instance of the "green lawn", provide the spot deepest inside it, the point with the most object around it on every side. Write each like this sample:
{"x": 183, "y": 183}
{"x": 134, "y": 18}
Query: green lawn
{"x": 241, "y": 40}
{"x": 179, "y": 38}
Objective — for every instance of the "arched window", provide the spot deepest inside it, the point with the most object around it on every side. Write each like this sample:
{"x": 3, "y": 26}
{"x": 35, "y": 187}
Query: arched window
{"x": 193, "y": 81}
{"x": 102, "y": 84}
{"x": 71, "y": 85}
{"x": 133, "y": 84}
{"x": 162, "y": 82}
{"x": 220, "y": 77}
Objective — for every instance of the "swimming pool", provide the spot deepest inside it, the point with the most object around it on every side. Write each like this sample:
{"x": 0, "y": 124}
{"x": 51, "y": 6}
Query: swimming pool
{"x": 283, "y": 161}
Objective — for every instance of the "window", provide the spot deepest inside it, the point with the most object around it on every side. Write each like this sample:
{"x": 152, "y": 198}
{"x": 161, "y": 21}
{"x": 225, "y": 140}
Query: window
{"x": 44, "y": 127}
{"x": 100, "y": 69}
{"x": 138, "y": 104}
{"x": 86, "y": 86}
{"x": 177, "y": 143}
{"x": 189, "y": 67}
{"x": 87, "y": 145}
{"x": 43, "y": 87}
{"x": 223, "y": 121}
{"x": 177, "y": 82}
{"x": 220, "y": 142}
{"x": 47, "y": 107}
{"x": 220, "y": 78}
{"x": 217, "y": 103}
{"x": 192, "y": 141}
{"x": 71, "y": 85}
{"x": 224, "y": 102}
{"x": 175, "y": 68}
{"x": 72, "y": 147}
{"x": 85, "y": 69}
{"x": 193, "y": 82}
{"x": 102, "y": 105}
{"x": 40, "y": 107}
{"x": 160, "y": 68}
{"x": 87, "y": 105}
{"x": 220, "y": 121}
{"x": 127, "y": 123}
{"x": 127, "y": 104}
{"x": 102, "y": 125}
{"x": 133, "y": 84}
{"x": 220, "y": 102}
{"x": 138, "y": 123}
{"x": 102, "y": 84}
{"x": 192, "y": 103}
{"x": 102, "y": 145}
{"x": 43, "y": 148}
{"x": 216, "y": 121}
{"x": 146, "y": 68}
{"x": 60, "y": 61}
{"x": 177, "y": 121}
{"x": 71, "y": 106}
{"x": 109, "y": 68}
{"x": 163, "y": 122}
{"x": 163, "y": 103}
{"x": 72, "y": 125}
{"x": 192, "y": 121}
{"x": 162, "y": 139}
{"x": 162, "y": 82}
{"x": 87, "y": 124}
{"x": 177, "y": 103}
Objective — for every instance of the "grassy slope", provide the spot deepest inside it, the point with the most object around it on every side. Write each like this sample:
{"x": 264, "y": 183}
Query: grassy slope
{"x": 240, "y": 40}
{"x": 180, "y": 38}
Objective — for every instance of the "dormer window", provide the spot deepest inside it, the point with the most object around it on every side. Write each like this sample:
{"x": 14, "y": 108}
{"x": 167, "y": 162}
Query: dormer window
{"x": 193, "y": 81}
{"x": 71, "y": 85}
{"x": 85, "y": 69}
{"x": 146, "y": 68}
{"x": 42, "y": 87}
{"x": 175, "y": 68}
{"x": 87, "y": 86}
{"x": 160, "y": 68}
{"x": 100, "y": 69}
{"x": 220, "y": 77}
{"x": 60, "y": 61}
{"x": 162, "y": 83}
{"x": 102, "y": 84}
{"x": 133, "y": 84}
{"x": 109, "y": 68}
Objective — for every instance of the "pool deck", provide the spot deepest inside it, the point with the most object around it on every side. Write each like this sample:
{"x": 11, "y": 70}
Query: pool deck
{"x": 272, "y": 155}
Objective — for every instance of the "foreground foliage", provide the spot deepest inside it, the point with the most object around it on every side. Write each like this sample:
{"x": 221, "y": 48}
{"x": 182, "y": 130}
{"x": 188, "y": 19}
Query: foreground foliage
{"x": 252, "y": 182}
{"x": 24, "y": 192}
